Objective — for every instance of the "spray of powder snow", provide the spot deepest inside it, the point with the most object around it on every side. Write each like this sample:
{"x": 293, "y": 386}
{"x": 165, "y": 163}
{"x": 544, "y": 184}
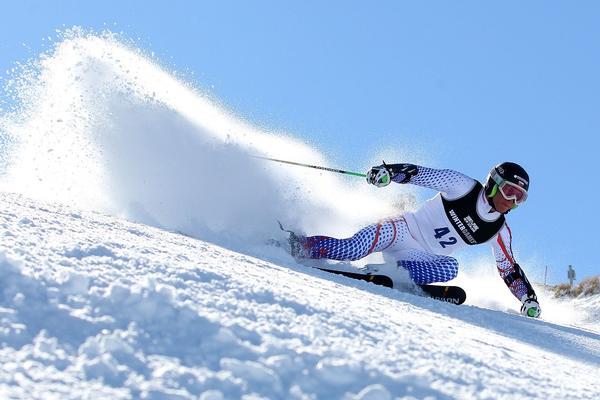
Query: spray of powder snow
{"x": 103, "y": 127}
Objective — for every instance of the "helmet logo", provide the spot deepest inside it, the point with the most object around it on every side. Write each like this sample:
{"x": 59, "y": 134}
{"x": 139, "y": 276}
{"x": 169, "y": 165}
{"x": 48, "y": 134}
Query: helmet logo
{"x": 521, "y": 181}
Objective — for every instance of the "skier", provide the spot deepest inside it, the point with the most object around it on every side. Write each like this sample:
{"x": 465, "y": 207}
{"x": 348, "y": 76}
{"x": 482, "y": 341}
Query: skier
{"x": 464, "y": 212}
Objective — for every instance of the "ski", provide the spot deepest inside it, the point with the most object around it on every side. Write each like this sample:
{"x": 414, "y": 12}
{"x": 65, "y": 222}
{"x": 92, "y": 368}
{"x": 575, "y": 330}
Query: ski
{"x": 447, "y": 293}
{"x": 380, "y": 280}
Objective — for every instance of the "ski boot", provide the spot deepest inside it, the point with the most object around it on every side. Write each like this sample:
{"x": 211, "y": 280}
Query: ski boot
{"x": 296, "y": 244}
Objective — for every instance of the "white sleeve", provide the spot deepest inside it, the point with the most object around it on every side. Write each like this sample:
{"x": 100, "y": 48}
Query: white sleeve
{"x": 451, "y": 184}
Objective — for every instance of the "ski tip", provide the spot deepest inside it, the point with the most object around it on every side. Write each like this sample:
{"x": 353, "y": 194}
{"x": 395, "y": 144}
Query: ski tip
{"x": 283, "y": 228}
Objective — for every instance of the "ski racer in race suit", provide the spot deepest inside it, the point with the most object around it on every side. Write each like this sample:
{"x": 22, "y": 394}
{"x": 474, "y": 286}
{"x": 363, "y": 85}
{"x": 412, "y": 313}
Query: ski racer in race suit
{"x": 463, "y": 213}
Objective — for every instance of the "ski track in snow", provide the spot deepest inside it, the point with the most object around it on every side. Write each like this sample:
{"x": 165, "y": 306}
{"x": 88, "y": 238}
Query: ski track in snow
{"x": 97, "y": 307}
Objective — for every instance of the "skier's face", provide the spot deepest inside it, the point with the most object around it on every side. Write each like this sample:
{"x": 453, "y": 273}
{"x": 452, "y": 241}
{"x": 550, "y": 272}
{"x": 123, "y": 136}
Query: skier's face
{"x": 501, "y": 204}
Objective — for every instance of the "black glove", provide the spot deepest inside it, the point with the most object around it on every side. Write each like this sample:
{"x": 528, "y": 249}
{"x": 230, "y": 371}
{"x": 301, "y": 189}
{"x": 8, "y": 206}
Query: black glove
{"x": 383, "y": 174}
{"x": 407, "y": 170}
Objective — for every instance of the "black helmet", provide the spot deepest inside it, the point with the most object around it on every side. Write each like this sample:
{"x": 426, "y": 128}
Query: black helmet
{"x": 506, "y": 172}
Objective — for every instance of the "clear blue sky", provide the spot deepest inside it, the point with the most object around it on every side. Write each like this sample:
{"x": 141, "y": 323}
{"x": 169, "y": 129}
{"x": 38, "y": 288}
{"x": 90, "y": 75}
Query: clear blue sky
{"x": 468, "y": 83}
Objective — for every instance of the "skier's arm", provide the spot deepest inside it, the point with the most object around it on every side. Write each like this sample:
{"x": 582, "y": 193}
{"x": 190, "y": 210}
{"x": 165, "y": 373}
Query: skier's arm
{"x": 451, "y": 183}
{"x": 512, "y": 274}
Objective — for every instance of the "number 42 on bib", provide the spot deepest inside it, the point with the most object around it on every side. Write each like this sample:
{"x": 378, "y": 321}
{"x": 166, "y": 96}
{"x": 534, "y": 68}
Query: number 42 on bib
{"x": 440, "y": 233}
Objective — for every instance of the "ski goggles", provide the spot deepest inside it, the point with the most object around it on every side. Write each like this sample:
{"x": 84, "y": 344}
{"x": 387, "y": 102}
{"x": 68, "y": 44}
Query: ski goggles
{"x": 509, "y": 190}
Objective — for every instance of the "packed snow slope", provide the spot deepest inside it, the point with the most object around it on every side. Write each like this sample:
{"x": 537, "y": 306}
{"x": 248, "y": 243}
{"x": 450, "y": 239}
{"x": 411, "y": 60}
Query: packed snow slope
{"x": 133, "y": 260}
{"x": 97, "y": 307}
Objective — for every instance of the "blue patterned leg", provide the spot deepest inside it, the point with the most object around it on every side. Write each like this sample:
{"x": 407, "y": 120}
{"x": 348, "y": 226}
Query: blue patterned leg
{"x": 425, "y": 268}
{"x": 376, "y": 237}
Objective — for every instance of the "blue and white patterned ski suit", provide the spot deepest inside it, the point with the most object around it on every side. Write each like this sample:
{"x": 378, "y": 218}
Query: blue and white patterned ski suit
{"x": 421, "y": 241}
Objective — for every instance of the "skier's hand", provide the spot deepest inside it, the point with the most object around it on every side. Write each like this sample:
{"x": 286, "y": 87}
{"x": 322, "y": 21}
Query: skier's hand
{"x": 531, "y": 307}
{"x": 379, "y": 176}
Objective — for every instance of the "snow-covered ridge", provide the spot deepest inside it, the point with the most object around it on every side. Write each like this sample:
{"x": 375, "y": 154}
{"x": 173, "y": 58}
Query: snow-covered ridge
{"x": 584, "y": 298}
{"x": 93, "y": 306}
{"x": 590, "y": 306}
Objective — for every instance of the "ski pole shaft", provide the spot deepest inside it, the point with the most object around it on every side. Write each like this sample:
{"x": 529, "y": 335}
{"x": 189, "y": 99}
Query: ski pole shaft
{"x": 339, "y": 171}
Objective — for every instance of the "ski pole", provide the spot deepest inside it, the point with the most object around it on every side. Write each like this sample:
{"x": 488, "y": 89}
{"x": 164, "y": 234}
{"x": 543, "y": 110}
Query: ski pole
{"x": 339, "y": 171}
